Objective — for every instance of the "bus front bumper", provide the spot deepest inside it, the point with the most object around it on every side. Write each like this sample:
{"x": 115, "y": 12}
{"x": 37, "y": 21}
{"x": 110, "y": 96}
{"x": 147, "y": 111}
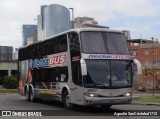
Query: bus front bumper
{"x": 107, "y": 100}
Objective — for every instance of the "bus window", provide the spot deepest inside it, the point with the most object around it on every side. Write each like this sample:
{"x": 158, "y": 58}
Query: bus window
{"x": 74, "y": 48}
{"x": 61, "y": 74}
{"x": 30, "y": 53}
{"x": 20, "y": 55}
{"x": 75, "y": 57}
{"x": 46, "y": 47}
{"x": 37, "y": 51}
{"x": 93, "y": 42}
{"x": 116, "y": 43}
{"x": 58, "y": 74}
{"x": 58, "y": 44}
{"x": 76, "y": 75}
{"x": 103, "y": 42}
{"x": 74, "y": 42}
{"x": 63, "y": 43}
{"x": 54, "y": 46}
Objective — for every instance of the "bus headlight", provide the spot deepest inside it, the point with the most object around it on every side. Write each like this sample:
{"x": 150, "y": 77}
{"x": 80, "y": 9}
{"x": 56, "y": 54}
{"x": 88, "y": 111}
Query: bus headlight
{"x": 128, "y": 94}
{"x": 91, "y": 95}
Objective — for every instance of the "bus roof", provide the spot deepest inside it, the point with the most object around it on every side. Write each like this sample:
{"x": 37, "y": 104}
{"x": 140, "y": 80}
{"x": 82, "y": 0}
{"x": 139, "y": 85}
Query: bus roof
{"x": 86, "y": 29}
{"x": 78, "y": 30}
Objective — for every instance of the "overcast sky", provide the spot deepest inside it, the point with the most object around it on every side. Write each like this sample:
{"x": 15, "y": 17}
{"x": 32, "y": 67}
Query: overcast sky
{"x": 141, "y": 17}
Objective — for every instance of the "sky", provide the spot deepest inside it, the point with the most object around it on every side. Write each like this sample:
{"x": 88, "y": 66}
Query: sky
{"x": 141, "y": 17}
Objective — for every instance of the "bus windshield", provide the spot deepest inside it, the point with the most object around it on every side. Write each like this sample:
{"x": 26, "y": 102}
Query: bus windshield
{"x": 108, "y": 73}
{"x": 103, "y": 42}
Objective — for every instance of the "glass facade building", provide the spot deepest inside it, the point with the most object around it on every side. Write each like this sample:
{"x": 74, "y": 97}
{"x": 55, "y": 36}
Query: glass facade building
{"x": 28, "y": 31}
{"x": 56, "y": 19}
{"x": 6, "y": 53}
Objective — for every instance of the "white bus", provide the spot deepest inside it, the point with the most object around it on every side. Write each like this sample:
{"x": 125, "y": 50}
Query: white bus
{"x": 84, "y": 66}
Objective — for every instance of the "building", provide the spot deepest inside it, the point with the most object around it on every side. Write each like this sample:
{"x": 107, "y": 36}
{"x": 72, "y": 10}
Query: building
{"x": 7, "y": 65}
{"x": 40, "y": 29}
{"x": 54, "y": 19}
{"x": 6, "y": 53}
{"x": 81, "y": 20}
{"x": 148, "y": 53}
{"x": 15, "y": 55}
{"x": 40, "y": 25}
{"x": 127, "y": 34}
{"x": 8, "y": 68}
{"x": 28, "y": 31}
{"x": 32, "y": 38}
{"x": 87, "y": 22}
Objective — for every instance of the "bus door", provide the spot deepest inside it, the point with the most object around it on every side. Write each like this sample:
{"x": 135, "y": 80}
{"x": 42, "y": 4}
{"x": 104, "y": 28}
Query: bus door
{"x": 76, "y": 88}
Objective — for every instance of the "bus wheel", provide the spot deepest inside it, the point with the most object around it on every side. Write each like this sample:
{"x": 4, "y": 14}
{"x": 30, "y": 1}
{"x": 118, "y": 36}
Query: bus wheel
{"x": 65, "y": 99}
{"x": 26, "y": 95}
{"x": 31, "y": 96}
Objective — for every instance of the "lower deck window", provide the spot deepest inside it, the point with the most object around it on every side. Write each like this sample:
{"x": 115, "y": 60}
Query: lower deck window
{"x": 58, "y": 74}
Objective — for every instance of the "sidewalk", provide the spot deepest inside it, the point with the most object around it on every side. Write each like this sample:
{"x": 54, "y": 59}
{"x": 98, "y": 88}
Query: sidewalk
{"x": 139, "y": 94}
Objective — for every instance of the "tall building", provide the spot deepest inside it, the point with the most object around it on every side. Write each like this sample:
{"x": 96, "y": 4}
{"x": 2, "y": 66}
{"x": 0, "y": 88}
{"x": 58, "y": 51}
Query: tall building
{"x": 32, "y": 38}
{"x": 40, "y": 29}
{"x": 40, "y": 25}
{"x": 54, "y": 19}
{"x": 28, "y": 31}
{"x": 6, "y": 53}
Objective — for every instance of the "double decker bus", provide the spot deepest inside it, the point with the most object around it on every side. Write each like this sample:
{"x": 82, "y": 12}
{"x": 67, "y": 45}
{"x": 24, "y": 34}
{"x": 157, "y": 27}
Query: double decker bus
{"x": 84, "y": 66}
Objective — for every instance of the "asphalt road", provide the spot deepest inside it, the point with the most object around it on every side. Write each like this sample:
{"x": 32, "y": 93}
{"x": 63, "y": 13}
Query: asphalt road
{"x": 15, "y": 102}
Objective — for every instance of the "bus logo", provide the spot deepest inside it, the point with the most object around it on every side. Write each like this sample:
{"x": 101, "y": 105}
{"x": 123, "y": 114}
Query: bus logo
{"x": 57, "y": 60}
{"x": 45, "y": 62}
{"x": 106, "y": 56}
{"x": 6, "y": 113}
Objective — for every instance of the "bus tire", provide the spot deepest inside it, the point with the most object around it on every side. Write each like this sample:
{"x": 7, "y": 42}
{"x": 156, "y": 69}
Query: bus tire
{"x": 26, "y": 94}
{"x": 31, "y": 96}
{"x": 65, "y": 99}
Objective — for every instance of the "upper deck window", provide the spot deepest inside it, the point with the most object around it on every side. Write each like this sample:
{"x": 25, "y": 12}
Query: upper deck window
{"x": 103, "y": 42}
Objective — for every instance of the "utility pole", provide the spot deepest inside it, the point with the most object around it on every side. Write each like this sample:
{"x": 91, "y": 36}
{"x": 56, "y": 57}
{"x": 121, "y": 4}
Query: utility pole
{"x": 153, "y": 64}
{"x": 72, "y": 17}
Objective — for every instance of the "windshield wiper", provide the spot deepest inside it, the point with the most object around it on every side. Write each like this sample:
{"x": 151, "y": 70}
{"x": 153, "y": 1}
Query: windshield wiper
{"x": 100, "y": 86}
{"x": 95, "y": 86}
{"x": 90, "y": 85}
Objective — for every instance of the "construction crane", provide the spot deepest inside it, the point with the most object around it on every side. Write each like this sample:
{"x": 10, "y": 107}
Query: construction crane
{"x": 145, "y": 72}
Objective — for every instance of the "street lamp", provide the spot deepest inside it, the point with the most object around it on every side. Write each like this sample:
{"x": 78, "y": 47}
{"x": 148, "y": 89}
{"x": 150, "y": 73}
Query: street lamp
{"x": 72, "y": 16}
{"x": 153, "y": 64}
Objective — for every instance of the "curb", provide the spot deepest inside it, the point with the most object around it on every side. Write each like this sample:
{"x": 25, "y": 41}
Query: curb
{"x": 8, "y": 91}
{"x": 143, "y": 103}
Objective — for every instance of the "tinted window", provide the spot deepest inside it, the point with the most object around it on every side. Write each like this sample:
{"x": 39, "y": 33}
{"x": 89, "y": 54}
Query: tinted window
{"x": 74, "y": 48}
{"x": 62, "y": 43}
{"x": 93, "y": 42}
{"x": 58, "y": 44}
{"x": 75, "y": 57}
{"x": 108, "y": 73}
{"x": 103, "y": 42}
{"x": 116, "y": 43}
{"x": 74, "y": 42}
{"x": 51, "y": 46}
{"x": 76, "y": 75}
{"x": 59, "y": 74}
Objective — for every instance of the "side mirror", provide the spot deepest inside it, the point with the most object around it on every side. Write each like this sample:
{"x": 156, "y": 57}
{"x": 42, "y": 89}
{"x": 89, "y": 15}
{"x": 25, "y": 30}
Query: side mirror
{"x": 83, "y": 67}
